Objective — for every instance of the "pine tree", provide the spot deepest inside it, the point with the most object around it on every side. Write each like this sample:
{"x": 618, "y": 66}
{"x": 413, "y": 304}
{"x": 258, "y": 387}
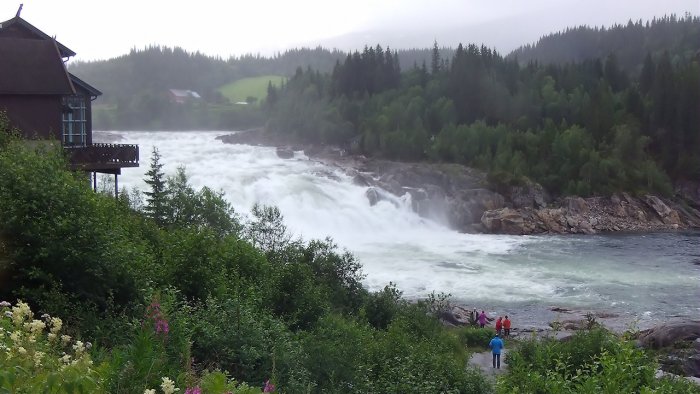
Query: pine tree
{"x": 435, "y": 62}
{"x": 156, "y": 198}
{"x": 646, "y": 79}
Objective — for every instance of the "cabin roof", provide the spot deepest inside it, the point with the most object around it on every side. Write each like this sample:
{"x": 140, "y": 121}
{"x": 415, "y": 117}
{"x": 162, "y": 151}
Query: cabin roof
{"x": 79, "y": 83}
{"x": 28, "y": 27}
{"x": 32, "y": 67}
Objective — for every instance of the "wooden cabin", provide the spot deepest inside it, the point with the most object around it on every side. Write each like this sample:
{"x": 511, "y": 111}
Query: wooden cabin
{"x": 46, "y": 102}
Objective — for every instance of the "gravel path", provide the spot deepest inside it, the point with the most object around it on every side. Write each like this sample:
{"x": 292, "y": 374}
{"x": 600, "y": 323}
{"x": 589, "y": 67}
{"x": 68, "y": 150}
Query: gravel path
{"x": 484, "y": 360}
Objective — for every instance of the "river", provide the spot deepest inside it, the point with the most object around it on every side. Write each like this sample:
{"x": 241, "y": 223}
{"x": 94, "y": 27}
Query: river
{"x": 643, "y": 278}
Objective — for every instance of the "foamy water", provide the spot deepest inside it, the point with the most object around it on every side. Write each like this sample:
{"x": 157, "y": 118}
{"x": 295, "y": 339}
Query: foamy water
{"x": 644, "y": 276}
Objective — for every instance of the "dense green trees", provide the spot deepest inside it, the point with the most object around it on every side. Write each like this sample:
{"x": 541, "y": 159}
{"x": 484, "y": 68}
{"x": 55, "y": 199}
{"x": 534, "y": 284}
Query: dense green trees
{"x": 593, "y": 127}
{"x": 629, "y": 42}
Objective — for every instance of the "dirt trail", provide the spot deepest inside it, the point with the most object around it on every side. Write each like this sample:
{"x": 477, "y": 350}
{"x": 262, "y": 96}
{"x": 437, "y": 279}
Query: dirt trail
{"x": 484, "y": 360}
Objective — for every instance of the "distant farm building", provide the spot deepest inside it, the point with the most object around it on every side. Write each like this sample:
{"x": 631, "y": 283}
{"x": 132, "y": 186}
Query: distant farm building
{"x": 181, "y": 96}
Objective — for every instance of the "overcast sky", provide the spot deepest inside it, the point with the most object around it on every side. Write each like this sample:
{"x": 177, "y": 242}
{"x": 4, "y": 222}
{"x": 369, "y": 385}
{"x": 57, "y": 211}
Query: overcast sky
{"x": 97, "y": 29}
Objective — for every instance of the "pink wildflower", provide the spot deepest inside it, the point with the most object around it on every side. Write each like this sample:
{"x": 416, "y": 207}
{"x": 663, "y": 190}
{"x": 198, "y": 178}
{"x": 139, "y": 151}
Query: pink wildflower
{"x": 162, "y": 326}
{"x": 193, "y": 390}
{"x": 269, "y": 387}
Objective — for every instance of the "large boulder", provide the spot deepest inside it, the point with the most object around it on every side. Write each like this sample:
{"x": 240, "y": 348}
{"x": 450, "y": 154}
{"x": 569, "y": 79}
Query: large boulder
{"x": 669, "y": 333}
{"x": 372, "y": 196}
{"x": 667, "y": 215}
{"x": 285, "y": 153}
{"x": 504, "y": 221}
{"x": 577, "y": 205}
{"x": 531, "y": 195}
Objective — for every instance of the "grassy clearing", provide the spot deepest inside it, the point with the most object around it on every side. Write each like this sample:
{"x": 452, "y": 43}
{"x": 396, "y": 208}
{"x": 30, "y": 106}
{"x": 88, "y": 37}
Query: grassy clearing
{"x": 250, "y": 87}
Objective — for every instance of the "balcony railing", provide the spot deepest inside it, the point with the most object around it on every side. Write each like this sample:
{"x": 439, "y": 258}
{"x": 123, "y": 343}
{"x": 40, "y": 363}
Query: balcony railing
{"x": 97, "y": 157}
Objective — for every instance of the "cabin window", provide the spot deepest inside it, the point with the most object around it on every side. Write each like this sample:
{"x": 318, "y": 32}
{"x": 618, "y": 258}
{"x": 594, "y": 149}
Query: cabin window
{"x": 74, "y": 121}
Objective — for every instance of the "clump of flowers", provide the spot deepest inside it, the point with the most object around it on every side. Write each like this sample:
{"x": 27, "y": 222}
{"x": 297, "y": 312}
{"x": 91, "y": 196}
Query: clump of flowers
{"x": 269, "y": 387}
{"x": 193, "y": 390}
{"x": 154, "y": 314}
{"x": 28, "y": 347}
{"x": 168, "y": 386}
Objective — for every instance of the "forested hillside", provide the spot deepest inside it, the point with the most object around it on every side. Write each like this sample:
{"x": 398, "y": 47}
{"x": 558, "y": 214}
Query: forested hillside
{"x": 589, "y": 127}
{"x": 630, "y": 42}
{"x": 616, "y": 110}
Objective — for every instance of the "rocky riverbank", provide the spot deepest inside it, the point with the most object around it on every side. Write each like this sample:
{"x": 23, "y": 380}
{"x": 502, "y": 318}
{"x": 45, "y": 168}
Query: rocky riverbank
{"x": 464, "y": 199}
{"x": 676, "y": 343}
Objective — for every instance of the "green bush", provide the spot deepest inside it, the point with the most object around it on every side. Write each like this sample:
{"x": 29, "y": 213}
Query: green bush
{"x": 249, "y": 343}
{"x": 474, "y": 337}
{"x": 591, "y": 362}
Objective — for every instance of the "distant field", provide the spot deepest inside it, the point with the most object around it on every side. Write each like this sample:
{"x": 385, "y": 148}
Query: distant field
{"x": 250, "y": 87}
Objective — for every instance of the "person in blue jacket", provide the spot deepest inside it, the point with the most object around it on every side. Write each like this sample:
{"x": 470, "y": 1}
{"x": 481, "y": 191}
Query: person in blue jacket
{"x": 496, "y": 345}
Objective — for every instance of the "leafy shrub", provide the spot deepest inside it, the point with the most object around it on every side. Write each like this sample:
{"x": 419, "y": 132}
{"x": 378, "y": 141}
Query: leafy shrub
{"x": 591, "y": 362}
{"x": 475, "y": 337}
{"x": 249, "y": 343}
{"x": 381, "y": 307}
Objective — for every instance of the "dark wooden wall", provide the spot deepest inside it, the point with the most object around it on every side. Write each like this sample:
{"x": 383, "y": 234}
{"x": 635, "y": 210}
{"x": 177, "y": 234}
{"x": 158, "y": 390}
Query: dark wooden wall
{"x": 35, "y": 116}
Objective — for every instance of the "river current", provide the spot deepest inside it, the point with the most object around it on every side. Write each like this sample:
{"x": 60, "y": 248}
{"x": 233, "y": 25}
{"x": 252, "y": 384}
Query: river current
{"x": 644, "y": 278}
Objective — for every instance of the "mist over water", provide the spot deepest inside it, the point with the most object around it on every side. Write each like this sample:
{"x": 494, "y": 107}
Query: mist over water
{"x": 649, "y": 277}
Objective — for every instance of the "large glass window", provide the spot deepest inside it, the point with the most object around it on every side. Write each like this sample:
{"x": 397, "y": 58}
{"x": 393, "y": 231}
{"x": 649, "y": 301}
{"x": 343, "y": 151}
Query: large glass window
{"x": 74, "y": 121}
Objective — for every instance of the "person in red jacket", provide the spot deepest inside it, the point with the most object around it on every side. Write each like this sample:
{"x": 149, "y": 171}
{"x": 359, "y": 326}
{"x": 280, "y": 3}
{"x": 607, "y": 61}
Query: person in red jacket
{"x": 499, "y": 325}
{"x": 506, "y": 326}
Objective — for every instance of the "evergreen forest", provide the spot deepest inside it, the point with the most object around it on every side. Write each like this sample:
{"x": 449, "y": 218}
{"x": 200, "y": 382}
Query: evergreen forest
{"x": 615, "y": 110}
{"x": 589, "y": 127}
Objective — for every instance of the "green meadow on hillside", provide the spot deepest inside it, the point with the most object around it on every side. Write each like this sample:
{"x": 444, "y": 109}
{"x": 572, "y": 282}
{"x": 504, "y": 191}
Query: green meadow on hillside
{"x": 241, "y": 89}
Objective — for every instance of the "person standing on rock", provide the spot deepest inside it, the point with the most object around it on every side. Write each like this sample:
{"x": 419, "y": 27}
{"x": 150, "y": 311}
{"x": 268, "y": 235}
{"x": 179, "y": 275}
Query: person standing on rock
{"x": 499, "y": 325}
{"x": 496, "y": 345}
{"x": 506, "y": 327}
{"x": 474, "y": 318}
{"x": 483, "y": 319}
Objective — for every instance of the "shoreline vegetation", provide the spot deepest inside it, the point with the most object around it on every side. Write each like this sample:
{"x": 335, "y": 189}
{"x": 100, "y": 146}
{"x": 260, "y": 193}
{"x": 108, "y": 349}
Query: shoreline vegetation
{"x": 175, "y": 290}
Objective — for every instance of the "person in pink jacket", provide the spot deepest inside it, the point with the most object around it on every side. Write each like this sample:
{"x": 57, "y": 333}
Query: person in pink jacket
{"x": 483, "y": 319}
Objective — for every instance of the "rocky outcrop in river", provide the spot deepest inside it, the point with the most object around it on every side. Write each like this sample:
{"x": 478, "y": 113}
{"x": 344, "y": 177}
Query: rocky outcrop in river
{"x": 576, "y": 215}
{"x": 462, "y": 197}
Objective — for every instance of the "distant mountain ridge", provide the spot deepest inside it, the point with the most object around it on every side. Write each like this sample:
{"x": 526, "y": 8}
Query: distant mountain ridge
{"x": 630, "y": 43}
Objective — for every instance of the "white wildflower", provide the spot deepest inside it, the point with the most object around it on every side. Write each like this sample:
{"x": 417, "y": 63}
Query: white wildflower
{"x": 37, "y": 326}
{"x": 79, "y": 347}
{"x": 5, "y": 304}
{"x": 65, "y": 358}
{"x": 8, "y": 314}
{"x": 149, "y": 391}
{"x": 16, "y": 336}
{"x": 37, "y": 358}
{"x": 168, "y": 386}
{"x": 20, "y": 312}
{"x": 65, "y": 339}
{"x": 56, "y": 324}
{"x": 21, "y": 350}
{"x": 52, "y": 337}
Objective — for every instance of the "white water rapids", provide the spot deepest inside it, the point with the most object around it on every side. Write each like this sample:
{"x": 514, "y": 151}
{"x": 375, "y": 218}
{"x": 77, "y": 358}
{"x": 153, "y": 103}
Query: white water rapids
{"x": 644, "y": 276}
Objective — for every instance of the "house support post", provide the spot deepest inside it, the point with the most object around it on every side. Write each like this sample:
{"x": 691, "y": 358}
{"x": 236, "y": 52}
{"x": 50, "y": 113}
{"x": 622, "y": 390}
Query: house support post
{"x": 94, "y": 181}
{"x": 116, "y": 186}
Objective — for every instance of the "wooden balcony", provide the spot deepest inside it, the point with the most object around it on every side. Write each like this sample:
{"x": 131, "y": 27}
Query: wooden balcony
{"x": 105, "y": 158}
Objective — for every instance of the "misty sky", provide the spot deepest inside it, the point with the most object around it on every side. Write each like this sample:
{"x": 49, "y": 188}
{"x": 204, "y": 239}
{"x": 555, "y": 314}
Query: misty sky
{"x": 103, "y": 29}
